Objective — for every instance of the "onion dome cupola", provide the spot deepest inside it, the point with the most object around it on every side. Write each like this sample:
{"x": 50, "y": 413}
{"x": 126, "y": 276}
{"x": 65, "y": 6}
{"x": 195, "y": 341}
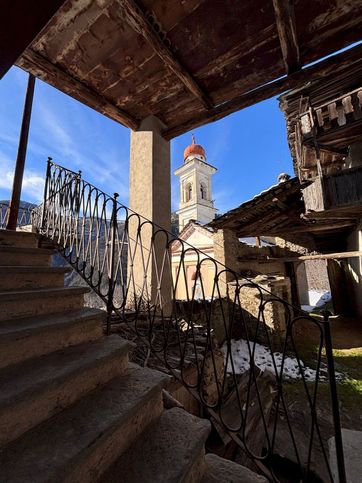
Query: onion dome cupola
{"x": 194, "y": 151}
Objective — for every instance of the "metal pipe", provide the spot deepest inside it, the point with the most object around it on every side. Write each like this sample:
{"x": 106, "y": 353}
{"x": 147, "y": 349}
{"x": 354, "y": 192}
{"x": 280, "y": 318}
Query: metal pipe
{"x": 20, "y": 160}
{"x": 111, "y": 282}
{"x": 334, "y": 399}
{"x": 45, "y": 197}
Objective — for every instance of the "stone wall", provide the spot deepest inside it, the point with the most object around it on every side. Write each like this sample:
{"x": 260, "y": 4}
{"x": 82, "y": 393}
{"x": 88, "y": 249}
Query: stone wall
{"x": 269, "y": 289}
{"x": 317, "y": 275}
{"x": 241, "y": 320}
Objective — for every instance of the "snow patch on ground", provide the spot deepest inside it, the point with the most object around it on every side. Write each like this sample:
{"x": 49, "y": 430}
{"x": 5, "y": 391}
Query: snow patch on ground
{"x": 263, "y": 359}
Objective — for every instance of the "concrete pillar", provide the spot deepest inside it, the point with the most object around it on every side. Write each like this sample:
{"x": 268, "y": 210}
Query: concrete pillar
{"x": 150, "y": 196}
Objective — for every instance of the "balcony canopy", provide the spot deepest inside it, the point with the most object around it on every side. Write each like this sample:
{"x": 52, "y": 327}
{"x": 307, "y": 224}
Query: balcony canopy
{"x": 188, "y": 62}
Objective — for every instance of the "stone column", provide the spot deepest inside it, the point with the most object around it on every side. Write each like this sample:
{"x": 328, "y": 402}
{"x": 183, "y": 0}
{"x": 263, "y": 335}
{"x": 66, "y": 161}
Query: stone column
{"x": 150, "y": 197}
{"x": 226, "y": 251}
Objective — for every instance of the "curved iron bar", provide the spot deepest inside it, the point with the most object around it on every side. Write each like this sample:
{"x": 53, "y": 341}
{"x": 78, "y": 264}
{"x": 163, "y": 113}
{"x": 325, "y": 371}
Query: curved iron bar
{"x": 24, "y": 215}
{"x": 141, "y": 272}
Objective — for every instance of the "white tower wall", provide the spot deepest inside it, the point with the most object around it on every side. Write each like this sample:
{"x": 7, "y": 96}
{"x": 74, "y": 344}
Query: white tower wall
{"x": 196, "y": 201}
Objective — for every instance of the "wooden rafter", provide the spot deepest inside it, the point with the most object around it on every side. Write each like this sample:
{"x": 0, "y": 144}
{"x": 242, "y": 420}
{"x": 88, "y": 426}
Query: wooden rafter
{"x": 329, "y": 66}
{"x": 285, "y": 20}
{"x": 138, "y": 21}
{"x": 45, "y": 70}
{"x": 312, "y": 228}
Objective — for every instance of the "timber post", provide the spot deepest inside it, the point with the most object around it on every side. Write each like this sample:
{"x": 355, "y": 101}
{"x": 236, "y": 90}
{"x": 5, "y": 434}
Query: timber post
{"x": 20, "y": 160}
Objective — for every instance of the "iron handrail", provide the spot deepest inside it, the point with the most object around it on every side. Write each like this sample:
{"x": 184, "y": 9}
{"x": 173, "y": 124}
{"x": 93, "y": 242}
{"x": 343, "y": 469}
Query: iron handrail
{"x": 127, "y": 260}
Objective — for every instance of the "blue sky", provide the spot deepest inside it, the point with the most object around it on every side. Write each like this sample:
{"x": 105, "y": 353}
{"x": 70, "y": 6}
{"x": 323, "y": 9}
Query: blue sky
{"x": 249, "y": 148}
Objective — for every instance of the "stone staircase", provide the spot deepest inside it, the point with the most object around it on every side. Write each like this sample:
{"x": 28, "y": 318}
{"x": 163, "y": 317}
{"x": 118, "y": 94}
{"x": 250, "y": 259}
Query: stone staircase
{"x": 72, "y": 407}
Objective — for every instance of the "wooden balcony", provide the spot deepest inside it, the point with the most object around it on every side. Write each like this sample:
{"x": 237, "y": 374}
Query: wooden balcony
{"x": 336, "y": 124}
{"x": 340, "y": 191}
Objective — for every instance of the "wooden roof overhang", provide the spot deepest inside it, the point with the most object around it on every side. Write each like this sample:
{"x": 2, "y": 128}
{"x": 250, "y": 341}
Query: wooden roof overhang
{"x": 279, "y": 211}
{"x": 332, "y": 109}
{"x": 188, "y": 62}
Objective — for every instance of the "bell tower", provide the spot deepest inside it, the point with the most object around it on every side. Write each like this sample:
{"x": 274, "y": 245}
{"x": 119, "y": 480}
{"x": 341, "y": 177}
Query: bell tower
{"x": 195, "y": 187}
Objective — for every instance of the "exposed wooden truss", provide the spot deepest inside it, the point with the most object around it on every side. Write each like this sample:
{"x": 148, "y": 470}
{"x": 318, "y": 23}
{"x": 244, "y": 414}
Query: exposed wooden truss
{"x": 285, "y": 20}
{"x": 137, "y": 19}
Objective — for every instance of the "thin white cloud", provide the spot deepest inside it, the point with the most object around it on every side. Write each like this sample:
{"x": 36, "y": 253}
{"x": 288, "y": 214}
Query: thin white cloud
{"x": 99, "y": 164}
{"x": 33, "y": 182}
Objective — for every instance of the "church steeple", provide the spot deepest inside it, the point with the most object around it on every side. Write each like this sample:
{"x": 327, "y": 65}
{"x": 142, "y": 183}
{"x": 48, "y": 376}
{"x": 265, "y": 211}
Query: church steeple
{"x": 195, "y": 186}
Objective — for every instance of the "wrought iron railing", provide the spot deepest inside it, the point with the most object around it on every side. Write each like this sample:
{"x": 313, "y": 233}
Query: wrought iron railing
{"x": 232, "y": 343}
{"x": 24, "y": 214}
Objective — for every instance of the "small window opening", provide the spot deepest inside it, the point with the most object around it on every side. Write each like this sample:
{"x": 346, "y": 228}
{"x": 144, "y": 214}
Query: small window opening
{"x": 189, "y": 192}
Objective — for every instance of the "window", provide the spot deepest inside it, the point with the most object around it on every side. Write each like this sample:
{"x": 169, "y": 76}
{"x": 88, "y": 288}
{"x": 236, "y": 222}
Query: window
{"x": 203, "y": 191}
{"x": 188, "y": 192}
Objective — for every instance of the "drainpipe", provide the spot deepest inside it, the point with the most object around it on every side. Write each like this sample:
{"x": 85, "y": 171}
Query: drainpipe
{"x": 20, "y": 160}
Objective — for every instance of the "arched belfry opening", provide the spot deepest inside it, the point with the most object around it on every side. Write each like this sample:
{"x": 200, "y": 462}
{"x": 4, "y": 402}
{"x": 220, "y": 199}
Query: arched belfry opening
{"x": 188, "y": 193}
{"x": 195, "y": 185}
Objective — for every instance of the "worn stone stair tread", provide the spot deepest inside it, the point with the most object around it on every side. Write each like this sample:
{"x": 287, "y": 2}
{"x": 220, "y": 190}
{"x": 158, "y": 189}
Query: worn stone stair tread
{"x": 352, "y": 443}
{"x": 33, "y": 269}
{"x": 9, "y": 236}
{"x": 165, "y": 453}
{"x": 42, "y": 293}
{"x": 52, "y": 450}
{"x": 22, "y": 381}
{"x": 29, "y": 325}
{"x": 221, "y": 470}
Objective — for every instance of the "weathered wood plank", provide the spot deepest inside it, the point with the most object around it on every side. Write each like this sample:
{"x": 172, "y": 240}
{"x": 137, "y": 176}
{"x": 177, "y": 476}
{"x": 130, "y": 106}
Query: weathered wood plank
{"x": 48, "y": 72}
{"x": 324, "y": 68}
{"x": 320, "y": 256}
{"x": 136, "y": 18}
{"x": 285, "y": 20}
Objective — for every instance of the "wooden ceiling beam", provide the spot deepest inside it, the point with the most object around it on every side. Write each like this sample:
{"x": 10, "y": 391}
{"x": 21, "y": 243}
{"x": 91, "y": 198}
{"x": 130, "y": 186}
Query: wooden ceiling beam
{"x": 287, "y": 32}
{"x": 327, "y": 67}
{"x": 267, "y": 219}
{"x": 138, "y": 21}
{"x": 321, "y": 256}
{"x": 48, "y": 72}
{"x": 313, "y": 228}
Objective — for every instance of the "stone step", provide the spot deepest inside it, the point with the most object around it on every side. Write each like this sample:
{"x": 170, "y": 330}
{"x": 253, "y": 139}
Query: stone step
{"x": 22, "y": 339}
{"x": 171, "y": 450}
{"x": 81, "y": 442}
{"x": 31, "y": 303}
{"x": 352, "y": 443}
{"x": 221, "y": 470}
{"x": 12, "y": 238}
{"x": 20, "y": 256}
{"x": 22, "y": 278}
{"x": 33, "y": 391}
